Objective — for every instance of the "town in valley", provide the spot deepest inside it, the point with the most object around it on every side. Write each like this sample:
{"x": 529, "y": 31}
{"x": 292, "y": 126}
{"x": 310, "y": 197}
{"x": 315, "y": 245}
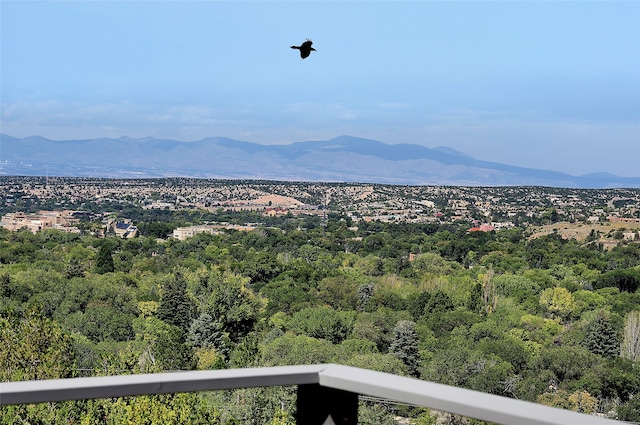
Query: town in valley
{"x": 49, "y": 202}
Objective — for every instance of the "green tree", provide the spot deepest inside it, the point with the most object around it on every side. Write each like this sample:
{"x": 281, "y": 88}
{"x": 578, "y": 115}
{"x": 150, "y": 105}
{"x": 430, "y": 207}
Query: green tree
{"x": 290, "y": 349}
{"x": 163, "y": 409}
{"x": 374, "y": 414}
{"x": 558, "y": 302}
{"x": 323, "y": 322}
{"x": 433, "y": 264}
{"x": 579, "y": 401}
{"x": 74, "y": 268}
{"x": 568, "y": 363}
{"x": 516, "y": 286}
{"x": 207, "y": 333}
{"x": 104, "y": 260}
{"x": 172, "y": 352}
{"x": 246, "y": 352}
{"x": 442, "y": 323}
{"x": 260, "y": 267}
{"x": 232, "y": 304}
{"x": 34, "y": 347}
{"x": 377, "y": 326}
{"x": 624, "y": 279}
{"x": 353, "y": 347}
{"x": 176, "y": 308}
{"x": 364, "y": 295}
{"x": 438, "y": 302}
{"x": 417, "y": 302}
{"x": 281, "y": 417}
{"x": 387, "y": 363}
{"x": 340, "y": 292}
{"x": 286, "y": 294}
{"x": 601, "y": 337}
{"x": 629, "y": 411}
{"x": 101, "y": 322}
{"x": 404, "y": 345}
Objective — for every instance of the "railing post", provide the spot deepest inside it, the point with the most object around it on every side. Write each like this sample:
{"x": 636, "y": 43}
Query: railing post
{"x": 318, "y": 405}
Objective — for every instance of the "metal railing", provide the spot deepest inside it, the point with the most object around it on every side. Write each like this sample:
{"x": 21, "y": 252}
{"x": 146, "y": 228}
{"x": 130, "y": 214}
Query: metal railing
{"x": 326, "y": 394}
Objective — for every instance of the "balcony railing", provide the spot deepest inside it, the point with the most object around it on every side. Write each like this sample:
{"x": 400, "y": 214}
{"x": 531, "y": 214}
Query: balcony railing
{"x": 327, "y": 394}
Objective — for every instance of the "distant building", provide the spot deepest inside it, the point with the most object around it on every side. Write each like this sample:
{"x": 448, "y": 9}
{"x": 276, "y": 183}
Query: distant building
{"x": 482, "y": 228}
{"x": 157, "y": 205}
{"x": 502, "y": 225}
{"x": 182, "y": 233}
{"x": 59, "y": 220}
{"x": 623, "y": 220}
{"x": 274, "y": 212}
{"x": 123, "y": 229}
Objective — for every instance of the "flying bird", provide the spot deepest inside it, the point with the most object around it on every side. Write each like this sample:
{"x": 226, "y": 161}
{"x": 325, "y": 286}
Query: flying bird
{"x": 305, "y": 48}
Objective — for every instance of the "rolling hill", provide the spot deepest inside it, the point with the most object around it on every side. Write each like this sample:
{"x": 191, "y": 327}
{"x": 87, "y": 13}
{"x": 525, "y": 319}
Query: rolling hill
{"x": 342, "y": 159}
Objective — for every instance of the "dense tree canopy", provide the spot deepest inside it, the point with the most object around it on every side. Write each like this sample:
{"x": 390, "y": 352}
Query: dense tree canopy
{"x": 546, "y": 319}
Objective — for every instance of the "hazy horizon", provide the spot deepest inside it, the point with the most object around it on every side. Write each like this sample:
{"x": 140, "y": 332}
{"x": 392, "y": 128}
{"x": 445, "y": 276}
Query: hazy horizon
{"x": 547, "y": 85}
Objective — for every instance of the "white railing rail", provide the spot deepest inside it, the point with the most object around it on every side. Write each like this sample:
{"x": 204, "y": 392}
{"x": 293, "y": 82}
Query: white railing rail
{"x": 319, "y": 381}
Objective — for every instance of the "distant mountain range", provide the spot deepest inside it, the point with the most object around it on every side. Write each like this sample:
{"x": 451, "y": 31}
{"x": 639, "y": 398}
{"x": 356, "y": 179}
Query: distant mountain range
{"x": 342, "y": 159}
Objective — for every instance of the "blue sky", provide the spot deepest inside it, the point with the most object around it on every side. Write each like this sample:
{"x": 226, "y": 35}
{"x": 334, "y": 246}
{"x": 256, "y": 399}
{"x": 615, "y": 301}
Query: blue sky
{"x": 544, "y": 84}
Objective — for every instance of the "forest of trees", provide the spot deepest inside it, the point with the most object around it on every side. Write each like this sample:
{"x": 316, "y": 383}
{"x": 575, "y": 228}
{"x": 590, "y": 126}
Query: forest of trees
{"x": 547, "y": 320}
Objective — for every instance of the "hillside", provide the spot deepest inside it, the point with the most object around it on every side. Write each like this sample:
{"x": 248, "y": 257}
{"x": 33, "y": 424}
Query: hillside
{"x": 342, "y": 159}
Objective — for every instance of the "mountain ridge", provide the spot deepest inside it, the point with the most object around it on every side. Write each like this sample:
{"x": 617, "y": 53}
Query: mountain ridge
{"x": 340, "y": 159}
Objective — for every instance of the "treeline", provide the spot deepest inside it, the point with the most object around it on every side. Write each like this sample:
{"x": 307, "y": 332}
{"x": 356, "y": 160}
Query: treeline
{"x": 547, "y": 320}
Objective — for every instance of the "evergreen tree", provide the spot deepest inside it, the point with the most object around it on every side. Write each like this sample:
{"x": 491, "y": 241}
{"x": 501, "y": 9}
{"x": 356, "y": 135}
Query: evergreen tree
{"x": 417, "y": 304}
{"x": 601, "y": 338}
{"x": 175, "y": 306}
{"x": 173, "y": 352}
{"x": 104, "y": 260}
{"x": 205, "y": 332}
{"x": 404, "y": 345}
{"x": 365, "y": 293}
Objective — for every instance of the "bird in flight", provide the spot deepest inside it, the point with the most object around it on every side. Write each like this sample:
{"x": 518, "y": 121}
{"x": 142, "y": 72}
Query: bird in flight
{"x": 305, "y": 48}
